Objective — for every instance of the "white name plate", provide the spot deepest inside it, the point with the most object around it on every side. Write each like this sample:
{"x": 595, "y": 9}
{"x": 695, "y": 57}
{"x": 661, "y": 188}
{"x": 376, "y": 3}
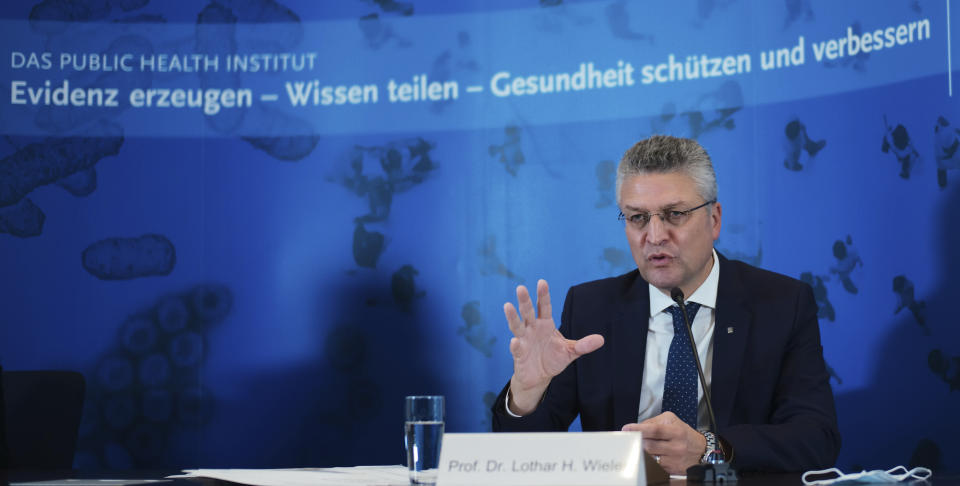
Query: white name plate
{"x": 540, "y": 459}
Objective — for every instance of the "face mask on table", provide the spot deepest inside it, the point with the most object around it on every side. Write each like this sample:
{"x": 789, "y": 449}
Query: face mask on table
{"x": 894, "y": 475}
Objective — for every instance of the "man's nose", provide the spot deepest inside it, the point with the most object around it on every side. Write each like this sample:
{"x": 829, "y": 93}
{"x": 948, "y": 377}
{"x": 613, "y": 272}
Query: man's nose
{"x": 656, "y": 230}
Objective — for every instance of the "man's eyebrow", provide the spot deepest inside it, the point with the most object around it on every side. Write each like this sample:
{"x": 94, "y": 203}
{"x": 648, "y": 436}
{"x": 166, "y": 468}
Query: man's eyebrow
{"x": 671, "y": 205}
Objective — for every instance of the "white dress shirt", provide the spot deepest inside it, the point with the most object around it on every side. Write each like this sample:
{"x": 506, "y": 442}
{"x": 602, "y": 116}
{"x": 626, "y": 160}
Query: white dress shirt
{"x": 659, "y": 336}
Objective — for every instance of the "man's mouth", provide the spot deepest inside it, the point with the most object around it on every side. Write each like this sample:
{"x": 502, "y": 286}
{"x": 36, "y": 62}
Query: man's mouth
{"x": 659, "y": 259}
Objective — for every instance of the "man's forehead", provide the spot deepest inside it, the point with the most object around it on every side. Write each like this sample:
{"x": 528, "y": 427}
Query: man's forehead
{"x": 657, "y": 190}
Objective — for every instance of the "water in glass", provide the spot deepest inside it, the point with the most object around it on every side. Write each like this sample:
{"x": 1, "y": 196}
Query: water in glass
{"x": 423, "y": 450}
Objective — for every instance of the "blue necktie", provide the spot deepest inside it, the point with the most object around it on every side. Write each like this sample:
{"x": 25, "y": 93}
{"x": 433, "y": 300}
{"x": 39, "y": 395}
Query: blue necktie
{"x": 680, "y": 385}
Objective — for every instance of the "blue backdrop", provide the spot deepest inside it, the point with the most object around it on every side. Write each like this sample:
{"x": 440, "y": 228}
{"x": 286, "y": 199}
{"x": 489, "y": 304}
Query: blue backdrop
{"x": 255, "y": 226}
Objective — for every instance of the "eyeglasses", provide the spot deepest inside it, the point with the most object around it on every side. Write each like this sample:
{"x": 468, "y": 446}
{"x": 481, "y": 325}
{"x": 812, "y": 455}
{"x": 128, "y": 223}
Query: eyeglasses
{"x": 673, "y": 217}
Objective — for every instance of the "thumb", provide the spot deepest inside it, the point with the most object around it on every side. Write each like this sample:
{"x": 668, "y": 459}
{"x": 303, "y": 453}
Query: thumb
{"x": 588, "y": 344}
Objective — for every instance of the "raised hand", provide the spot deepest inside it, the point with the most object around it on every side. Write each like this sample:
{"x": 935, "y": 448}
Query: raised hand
{"x": 539, "y": 351}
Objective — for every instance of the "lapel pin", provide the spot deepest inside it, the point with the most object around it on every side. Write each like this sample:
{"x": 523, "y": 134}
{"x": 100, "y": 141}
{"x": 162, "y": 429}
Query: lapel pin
{"x": 729, "y": 330}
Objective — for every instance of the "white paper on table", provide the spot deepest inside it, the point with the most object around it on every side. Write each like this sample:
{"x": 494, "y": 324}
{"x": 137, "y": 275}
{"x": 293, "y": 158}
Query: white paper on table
{"x": 359, "y": 475}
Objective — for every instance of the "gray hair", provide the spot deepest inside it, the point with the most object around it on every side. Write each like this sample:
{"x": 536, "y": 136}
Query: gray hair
{"x": 661, "y": 154}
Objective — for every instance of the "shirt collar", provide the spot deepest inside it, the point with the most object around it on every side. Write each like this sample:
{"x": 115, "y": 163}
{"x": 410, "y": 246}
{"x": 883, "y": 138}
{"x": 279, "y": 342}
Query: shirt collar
{"x": 705, "y": 295}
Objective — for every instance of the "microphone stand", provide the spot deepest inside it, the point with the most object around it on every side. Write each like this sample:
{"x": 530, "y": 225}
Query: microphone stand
{"x": 717, "y": 470}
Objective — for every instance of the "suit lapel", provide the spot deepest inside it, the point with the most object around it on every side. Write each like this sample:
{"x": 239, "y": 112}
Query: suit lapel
{"x": 628, "y": 336}
{"x": 732, "y": 328}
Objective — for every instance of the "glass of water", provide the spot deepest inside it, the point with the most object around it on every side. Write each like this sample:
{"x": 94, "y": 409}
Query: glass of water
{"x": 423, "y": 431}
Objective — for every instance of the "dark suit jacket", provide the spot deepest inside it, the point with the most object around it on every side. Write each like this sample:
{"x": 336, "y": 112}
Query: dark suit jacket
{"x": 770, "y": 388}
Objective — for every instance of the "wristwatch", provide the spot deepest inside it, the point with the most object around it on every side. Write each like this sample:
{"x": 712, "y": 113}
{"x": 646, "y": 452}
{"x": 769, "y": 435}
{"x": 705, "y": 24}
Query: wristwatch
{"x": 713, "y": 454}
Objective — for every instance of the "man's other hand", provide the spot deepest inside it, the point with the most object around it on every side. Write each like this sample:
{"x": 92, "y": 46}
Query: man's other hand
{"x": 539, "y": 351}
{"x": 670, "y": 438}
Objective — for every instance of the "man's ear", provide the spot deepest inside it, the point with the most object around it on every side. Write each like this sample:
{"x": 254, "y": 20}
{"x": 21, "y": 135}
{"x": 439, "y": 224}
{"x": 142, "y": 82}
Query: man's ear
{"x": 715, "y": 218}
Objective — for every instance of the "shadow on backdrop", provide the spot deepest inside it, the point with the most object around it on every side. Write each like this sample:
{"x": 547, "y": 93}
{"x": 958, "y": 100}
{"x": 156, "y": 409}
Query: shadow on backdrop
{"x": 345, "y": 405}
{"x": 911, "y": 401}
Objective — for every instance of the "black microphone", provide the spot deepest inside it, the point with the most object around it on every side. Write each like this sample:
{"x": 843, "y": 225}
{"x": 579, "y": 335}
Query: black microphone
{"x": 718, "y": 470}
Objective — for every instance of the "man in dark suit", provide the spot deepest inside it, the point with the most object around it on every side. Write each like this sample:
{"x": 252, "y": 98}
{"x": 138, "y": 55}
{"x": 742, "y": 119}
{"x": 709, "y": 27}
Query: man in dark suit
{"x": 622, "y": 360}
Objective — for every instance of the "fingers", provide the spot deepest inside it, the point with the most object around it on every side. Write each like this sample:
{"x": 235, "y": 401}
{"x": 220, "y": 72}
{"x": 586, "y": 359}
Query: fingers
{"x": 650, "y": 431}
{"x": 646, "y": 427}
{"x": 652, "y": 445}
{"x": 525, "y": 305}
{"x": 515, "y": 346}
{"x": 543, "y": 300}
{"x": 524, "y": 314}
{"x": 588, "y": 344}
{"x": 666, "y": 436}
{"x": 665, "y": 426}
{"x": 513, "y": 320}
{"x": 667, "y": 417}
